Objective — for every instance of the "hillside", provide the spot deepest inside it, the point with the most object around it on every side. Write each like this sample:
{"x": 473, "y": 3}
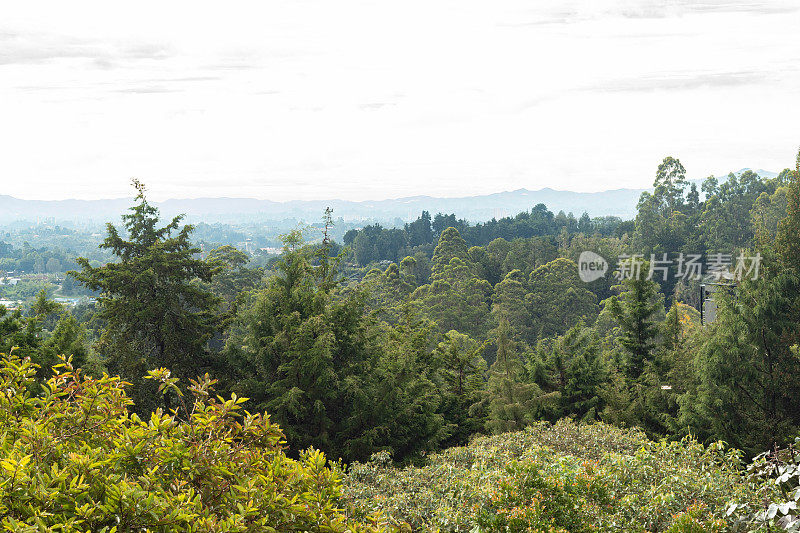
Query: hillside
{"x": 620, "y": 202}
{"x": 613, "y": 202}
{"x": 399, "y": 369}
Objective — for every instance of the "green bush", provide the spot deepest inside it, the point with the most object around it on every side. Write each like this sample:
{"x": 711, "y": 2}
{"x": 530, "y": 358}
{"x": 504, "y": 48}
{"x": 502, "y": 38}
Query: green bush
{"x": 565, "y": 477}
{"x": 558, "y": 494}
{"x": 74, "y": 458}
{"x": 778, "y": 470}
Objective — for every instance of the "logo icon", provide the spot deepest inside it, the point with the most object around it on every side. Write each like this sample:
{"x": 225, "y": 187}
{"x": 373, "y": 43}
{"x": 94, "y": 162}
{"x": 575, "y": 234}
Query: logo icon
{"x": 591, "y": 266}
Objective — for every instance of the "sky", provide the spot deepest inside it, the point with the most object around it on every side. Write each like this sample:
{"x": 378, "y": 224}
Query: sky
{"x": 321, "y": 99}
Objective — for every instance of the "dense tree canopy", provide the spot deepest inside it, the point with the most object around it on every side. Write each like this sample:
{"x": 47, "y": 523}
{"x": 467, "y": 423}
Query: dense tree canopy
{"x": 414, "y": 338}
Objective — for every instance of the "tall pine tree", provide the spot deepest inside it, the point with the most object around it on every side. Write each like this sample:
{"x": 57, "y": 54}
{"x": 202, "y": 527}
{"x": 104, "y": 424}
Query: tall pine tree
{"x": 636, "y": 311}
{"x": 511, "y": 401}
{"x": 748, "y": 371}
{"x": 156, "y": 312}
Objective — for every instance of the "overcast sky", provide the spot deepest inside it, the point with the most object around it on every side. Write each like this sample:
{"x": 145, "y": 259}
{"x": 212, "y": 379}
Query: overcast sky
{"x": 305, "y": 99}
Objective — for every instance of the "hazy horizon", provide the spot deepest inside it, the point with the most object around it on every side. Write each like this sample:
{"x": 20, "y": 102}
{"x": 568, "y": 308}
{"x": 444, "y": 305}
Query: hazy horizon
{"x": 376, "y": 199}
{"x": 361, "y": 101}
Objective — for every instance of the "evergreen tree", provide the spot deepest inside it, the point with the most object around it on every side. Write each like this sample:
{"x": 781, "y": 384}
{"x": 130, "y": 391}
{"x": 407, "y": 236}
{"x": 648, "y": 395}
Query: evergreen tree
{"x": 69, "y": 339}
{"x": 582, "y": 373}
{"x": 462, "y": 369}
{"x": 787, "y": 242}
{"x": 768, "y": 210}
{"x": 43, "y": 307}
{"x": 511, "y": 402}
{"x": 558, "y": 299}
{"x": 156, "y": 314}
{"x": 233, "y": 277}
{"x": 451, "y": 245}
{"x": 496, "y": 252}
{"x": 509, "y": 301}
{"x": 405, "y": 394}
{"x": 726, "y": 223}
{"x": 661, "y": 224}
{"x": 456, "y": 299}
{"x": 671, "y": 330}
{"x": 527, "y": 255}
{"x": 585, "y": 224}
{"x": 636, "y": 311}
{"x": 670, "y": 183}
{"x": 21, "y": 334}
{"x": 307, "y": 358}
{"x": 387, "y": 291}
{"x": 748, "y": 370}
{"x": 420, "y": 231}
{"x": 693, "y": 200}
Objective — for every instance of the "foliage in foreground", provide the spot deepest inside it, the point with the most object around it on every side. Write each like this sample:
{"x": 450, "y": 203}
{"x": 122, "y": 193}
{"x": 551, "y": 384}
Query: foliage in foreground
{"x": 75, "y": 459}
{"x": 563, "y": 477}
{"x": 781, "y": 469}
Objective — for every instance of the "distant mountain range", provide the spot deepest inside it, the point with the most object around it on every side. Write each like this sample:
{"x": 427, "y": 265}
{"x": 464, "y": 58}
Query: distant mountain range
{"x": 616, "y": 202}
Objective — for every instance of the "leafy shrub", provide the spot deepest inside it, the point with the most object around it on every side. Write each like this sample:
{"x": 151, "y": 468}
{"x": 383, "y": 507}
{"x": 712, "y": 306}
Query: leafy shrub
{"x": 564, "y": 477}
{"x": 663, "y": 480}
{"x": 696, "y": 520}
{"x": 557, "y": 495}
{"x": 75, "y": 459}
{"x": 778, "y": 470}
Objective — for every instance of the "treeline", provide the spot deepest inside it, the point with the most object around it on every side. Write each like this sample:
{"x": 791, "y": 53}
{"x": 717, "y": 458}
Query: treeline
{"x": 32, "y": 260}
{"x": 375, "y": 243}
{"x": 670, "y": 219}
{"x": 432, "y": 348}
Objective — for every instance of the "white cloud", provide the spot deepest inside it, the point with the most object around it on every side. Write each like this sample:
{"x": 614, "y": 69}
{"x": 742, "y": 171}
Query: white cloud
{"x": 315, "y": 99}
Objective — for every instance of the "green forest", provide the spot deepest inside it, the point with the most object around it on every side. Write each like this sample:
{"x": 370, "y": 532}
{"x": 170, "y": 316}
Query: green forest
{"x": 443, "y": 375}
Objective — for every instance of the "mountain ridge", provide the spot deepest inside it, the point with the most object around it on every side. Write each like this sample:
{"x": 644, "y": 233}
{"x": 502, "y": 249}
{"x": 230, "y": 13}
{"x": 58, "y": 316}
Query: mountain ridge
{"x": 612, "y": 202}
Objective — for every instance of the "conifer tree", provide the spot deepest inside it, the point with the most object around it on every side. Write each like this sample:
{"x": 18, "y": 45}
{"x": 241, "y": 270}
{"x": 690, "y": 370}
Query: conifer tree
{"x": 388, "y": 290}
{"x": 284, "y": 351}
{"x": 511, "y": 401}
{"x": 636, "y": 311}
{"x": 787, "y": 241}
{"x": 69, "y": 339}
{"x": 43, "y": 307}
{"x": 309, "y": 358}
{"x": 582, "y": 373}
{"x": 509, "y": 301}
{"x": 156, "y": 313}
{"x": 672, "y": 329}
{"x": 462, "y": 369}
{"x": 558, "y": 299}
{"x": 22, "y": 334}
{"x": 450, "y": 245}
{"x": 748, "y": 371}
{"x": 405, "y": 397}
{"x": 456, "y": 299}
{"x": 529, "y": 254}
